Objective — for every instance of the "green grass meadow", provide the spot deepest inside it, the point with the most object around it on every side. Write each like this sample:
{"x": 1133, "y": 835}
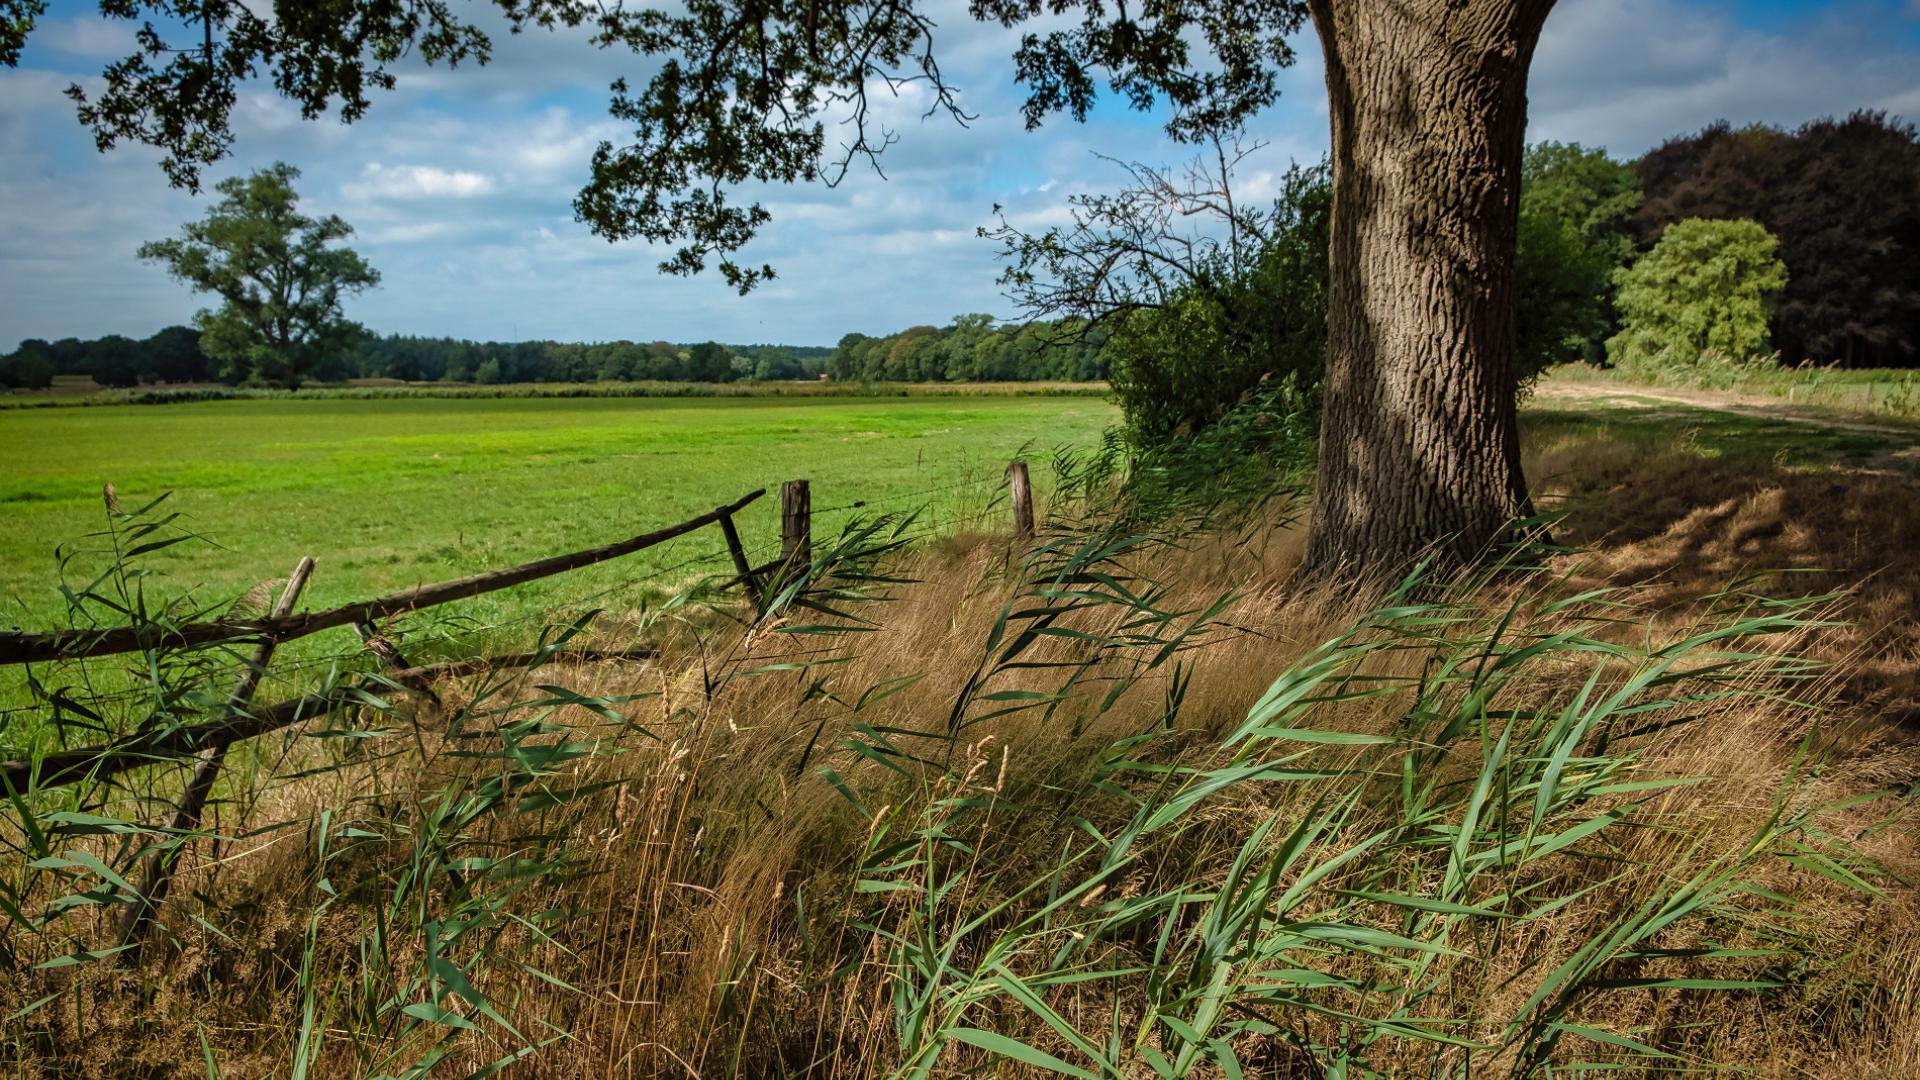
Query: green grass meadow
{"x": 389, "y": 493}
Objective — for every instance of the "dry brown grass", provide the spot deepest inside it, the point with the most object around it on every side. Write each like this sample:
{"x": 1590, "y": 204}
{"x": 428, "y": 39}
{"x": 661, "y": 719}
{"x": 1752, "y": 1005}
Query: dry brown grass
{"x": 1682, "y": 525}
{"x": 714, "y": 930}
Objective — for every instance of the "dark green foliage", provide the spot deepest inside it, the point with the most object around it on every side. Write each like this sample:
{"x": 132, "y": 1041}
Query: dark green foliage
{"x": 1842, "y": 196}
{"x": 710, "y": 361}
{"x": 115, "y": 361}
{"x": 780, "y": 363}
{"x": 424, "y": 359}
{"x": 972, "y": 349}
{"x": 279, "y": 274}
{"x": 1560, "y": 285}
{"x": 1584, "y": 187}
{"x": 28, "y": 367}
{"x": 173, "y": 356}
{"x": 1234, "y": 326}
{"x": 776, "y": 367}
{"x": 1260, "y": 450}
{"x": 1574, "y": 209}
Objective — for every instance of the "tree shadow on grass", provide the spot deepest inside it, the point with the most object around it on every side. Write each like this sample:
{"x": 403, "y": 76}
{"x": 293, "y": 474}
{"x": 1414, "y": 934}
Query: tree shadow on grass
{"x": 1684, "y": 506}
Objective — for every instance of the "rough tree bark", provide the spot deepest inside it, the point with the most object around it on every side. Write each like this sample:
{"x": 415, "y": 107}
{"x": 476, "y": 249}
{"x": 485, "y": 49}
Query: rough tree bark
{"x": 1419, "y": 449}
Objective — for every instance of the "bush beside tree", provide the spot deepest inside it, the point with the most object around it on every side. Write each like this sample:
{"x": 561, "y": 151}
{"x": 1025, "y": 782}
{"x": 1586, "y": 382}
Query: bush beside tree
{"x": 1702, "y": 296}
{"x": 1575, "y": 231}
{"x": 1234, "y": 325}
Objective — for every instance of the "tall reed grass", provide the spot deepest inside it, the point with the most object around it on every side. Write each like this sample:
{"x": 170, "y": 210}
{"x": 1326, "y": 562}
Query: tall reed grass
{"x": 1124, "y": 804}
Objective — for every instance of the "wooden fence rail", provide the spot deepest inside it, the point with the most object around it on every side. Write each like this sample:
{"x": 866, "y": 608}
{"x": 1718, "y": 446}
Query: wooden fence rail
{"x": 23, "y": 648}
{"x": 64, "y": 767}
{"x": 243, "y": 721}
{"x": 157, "y": 875}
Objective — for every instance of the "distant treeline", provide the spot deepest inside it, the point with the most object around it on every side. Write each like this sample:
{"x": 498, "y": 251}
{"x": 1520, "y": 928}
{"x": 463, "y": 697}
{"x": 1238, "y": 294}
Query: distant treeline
{"x": 973, "y": 349}
{"x": 1839, "y": 197}
{"x": 173, "y": 356}
{"x": 424, "y": 359}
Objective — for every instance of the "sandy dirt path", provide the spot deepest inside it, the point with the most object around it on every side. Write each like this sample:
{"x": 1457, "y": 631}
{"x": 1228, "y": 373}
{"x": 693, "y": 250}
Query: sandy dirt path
{"x": 1901, "y": 441}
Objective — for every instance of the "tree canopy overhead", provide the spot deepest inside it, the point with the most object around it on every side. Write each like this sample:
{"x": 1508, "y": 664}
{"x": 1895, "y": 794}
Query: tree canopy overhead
{"x": 744, "y": 91}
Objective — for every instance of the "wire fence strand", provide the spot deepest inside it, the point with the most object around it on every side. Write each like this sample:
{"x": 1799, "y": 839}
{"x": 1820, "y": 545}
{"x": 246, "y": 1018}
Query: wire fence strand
{"x": 293, "y": 668}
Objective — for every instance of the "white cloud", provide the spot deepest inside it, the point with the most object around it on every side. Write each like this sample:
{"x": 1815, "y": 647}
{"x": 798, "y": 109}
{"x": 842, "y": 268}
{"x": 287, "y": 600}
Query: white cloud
{"x": 557, "y": 142}
{"x": 92, "y": 38}
{"x": 406, "y": 233}
{"x": 1627, "y": 74}
{"x": 379, "y": 181}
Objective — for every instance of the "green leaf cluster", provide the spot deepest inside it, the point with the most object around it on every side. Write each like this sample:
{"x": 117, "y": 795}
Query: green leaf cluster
{"x": 1703, "y": 295}
{"x": 1575, "y": 208}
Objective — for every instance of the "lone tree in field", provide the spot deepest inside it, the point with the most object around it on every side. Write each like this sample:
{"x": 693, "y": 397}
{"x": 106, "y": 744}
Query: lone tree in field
{"x": 1428, "y": 103}
{"x": 279, "y": 273}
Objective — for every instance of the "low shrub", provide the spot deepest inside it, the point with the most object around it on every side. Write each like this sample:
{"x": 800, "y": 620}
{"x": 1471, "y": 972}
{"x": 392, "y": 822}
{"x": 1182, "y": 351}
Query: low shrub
{"x": 1700, "y": 301}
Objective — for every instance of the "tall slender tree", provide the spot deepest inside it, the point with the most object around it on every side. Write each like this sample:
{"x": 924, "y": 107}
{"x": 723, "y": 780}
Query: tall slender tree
{"x": 1428, "y": 102}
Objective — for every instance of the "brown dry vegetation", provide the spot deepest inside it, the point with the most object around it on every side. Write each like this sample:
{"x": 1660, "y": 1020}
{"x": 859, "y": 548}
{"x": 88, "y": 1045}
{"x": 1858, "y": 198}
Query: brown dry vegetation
{"x": 1680, "y": 525}
{"x": 710, "y": 924}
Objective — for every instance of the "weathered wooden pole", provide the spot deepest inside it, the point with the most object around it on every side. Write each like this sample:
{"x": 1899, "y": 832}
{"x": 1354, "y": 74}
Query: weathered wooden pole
{"x": 157, "y": 876}
{"x": 796, "y": 526}
{"x": 1022, "y": 493}
{"x": 740, "y": 563}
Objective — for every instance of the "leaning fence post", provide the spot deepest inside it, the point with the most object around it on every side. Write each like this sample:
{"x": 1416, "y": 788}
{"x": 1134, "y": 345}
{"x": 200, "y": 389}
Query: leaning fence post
{"x": 740, "y": 563}
{"x": 796, "y": 526}
{"x": 1022, "y": 493}
{"x": 157, "y": 877}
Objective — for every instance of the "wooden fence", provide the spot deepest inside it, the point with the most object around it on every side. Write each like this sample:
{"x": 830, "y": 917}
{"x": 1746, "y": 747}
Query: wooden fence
{"x": 282, "y": 625}
{"x": 240, "y": 720}
{"x": 16, "y": 648}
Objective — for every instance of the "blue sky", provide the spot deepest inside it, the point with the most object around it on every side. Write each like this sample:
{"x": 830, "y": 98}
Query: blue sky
{"x": 460, "y": 183}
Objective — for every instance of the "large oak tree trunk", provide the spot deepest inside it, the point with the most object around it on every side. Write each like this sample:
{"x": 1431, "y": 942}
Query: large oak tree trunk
{"x": 1419, "y": 450}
